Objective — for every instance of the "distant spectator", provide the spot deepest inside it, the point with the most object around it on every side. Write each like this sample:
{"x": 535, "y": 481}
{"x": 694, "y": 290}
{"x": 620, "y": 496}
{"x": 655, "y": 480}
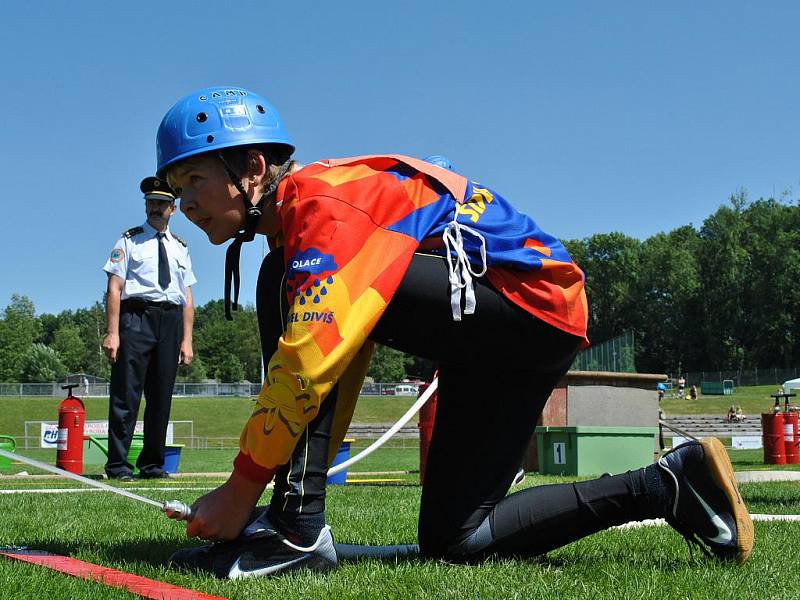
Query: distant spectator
{"x": 693, "y": 392}
{"x": 681, "y": 386}
{"x": 735, "y": 414}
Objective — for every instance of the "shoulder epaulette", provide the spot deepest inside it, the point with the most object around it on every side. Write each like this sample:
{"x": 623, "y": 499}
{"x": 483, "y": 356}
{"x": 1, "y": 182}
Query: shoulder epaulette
{"x": 185, "y": 245}
{"x": 133, "y": 231}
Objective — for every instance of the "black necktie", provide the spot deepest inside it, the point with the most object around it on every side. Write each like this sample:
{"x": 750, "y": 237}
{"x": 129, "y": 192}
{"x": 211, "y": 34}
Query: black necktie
{"x": 163, "y": 263}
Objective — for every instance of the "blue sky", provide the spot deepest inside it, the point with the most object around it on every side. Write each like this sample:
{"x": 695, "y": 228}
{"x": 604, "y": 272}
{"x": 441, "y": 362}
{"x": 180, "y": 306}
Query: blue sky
{"x": 591, "y": 117}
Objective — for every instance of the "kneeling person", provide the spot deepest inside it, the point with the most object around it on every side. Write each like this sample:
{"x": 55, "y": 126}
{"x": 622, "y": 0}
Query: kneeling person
{"x": 402, "y": 252}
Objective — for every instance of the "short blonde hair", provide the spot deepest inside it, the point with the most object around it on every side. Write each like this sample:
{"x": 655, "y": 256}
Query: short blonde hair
{"x": 172, "y": 171}
{"x": 275, "y": 155}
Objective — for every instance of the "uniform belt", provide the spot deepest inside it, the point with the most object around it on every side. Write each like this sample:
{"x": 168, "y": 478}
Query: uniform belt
{"x": 141, "y": 304}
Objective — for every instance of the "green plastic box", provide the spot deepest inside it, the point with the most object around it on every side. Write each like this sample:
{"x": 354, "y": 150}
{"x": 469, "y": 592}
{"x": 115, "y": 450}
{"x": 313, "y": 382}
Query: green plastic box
{"x": 717, "y": 388}
{"x": 9, "y": 444}
{"x": 594, "y": 450}
{"x": 95, "y": 450}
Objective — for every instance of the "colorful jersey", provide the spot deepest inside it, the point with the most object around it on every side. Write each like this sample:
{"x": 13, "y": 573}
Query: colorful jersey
{"x": 350, "y": 229}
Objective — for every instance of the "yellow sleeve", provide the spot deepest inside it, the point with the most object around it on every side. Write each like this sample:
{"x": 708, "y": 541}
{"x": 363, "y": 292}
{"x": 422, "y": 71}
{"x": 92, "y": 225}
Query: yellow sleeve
{"x": 342, "y": 270}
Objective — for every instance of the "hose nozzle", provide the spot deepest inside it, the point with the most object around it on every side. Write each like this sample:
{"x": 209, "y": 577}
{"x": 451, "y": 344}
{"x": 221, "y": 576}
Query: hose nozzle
{"x": 174, "y": 509}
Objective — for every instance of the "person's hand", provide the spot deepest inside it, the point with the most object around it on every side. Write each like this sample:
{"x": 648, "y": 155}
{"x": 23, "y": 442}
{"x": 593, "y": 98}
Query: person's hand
{"x": 111, "y": 347}
{"x": 186, "y": 354}
{"x": 222, "y": 513}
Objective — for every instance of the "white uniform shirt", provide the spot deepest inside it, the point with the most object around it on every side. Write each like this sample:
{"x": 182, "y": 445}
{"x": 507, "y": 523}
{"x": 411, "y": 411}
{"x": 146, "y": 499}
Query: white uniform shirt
{"x": 135, "y": 260}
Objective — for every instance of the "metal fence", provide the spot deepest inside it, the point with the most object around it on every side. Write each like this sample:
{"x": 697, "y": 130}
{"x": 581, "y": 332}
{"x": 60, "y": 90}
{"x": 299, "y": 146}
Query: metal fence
{"x": 740, "y": 378}
{"x": 616, "y": 354}
{"x": 245, "y": 389}
{"x": 102, "y": 389}
{"x": 584, "y": 362}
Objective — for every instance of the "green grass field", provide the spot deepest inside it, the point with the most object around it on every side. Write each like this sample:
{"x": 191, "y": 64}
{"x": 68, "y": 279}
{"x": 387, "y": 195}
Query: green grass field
{"x": 401, "y": 455}
{"x": 396, "y": 457}
{"x": 212, "y": 417}
{"x": 642, "y": 563}
{"x": 107, "y": 530}
{"x": 753, "y": 400}
{"x": 224, "y": 417}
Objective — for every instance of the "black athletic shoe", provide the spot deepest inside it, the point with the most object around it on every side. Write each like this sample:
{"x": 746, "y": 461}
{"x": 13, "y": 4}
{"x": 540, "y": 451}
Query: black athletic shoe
{"x": 123, "y": 477}
{"x": 154, "y": 475}
{"x": 259, "y": 551}
{"x": 707, "y": 508}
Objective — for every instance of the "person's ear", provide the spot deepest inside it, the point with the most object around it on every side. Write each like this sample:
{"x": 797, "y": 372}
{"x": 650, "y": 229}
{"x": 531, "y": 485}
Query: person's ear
{"x": 256, "y": 166}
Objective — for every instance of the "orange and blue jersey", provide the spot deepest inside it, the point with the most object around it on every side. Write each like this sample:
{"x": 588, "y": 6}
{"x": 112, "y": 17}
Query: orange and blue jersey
{"x": 350, "y": 228}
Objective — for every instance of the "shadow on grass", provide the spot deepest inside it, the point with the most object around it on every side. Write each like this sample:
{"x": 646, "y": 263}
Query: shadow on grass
{"x": 151, "y": 552}
{"x": 156, "y": 552}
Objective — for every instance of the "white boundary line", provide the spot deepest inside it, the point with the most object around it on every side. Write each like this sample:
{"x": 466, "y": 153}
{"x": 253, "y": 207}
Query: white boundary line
{"x": 78, "y": 490}
{"x": 757, "y": 517}
{"x": 88, "y": 489}
{"x": 631, "y": 525}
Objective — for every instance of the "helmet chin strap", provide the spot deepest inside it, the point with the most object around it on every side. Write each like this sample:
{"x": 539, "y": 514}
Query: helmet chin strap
{"x": 252, "y": 213}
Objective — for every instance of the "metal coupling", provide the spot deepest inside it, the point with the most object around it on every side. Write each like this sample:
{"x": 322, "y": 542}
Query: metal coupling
{"x": 177, "y": 510}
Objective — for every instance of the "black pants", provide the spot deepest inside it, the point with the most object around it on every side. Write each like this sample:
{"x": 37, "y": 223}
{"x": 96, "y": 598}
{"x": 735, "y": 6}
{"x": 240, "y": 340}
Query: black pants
{"x": 150, "y": 339}
{"x": 300, "y": 483}
{"x": 497, "y": 369}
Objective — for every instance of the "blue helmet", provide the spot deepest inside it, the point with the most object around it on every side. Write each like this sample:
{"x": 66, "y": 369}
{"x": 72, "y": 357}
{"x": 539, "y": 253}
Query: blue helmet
{"x": 215, "y": 118}
{"x": 439, "y": 161}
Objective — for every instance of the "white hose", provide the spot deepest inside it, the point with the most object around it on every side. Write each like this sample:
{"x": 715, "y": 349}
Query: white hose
{"x": 753, "y": 516}
{"x": 389, "y": 433}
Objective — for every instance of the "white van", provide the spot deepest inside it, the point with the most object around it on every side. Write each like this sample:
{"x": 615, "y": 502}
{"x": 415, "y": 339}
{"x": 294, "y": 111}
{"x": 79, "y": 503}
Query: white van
{"x": 405, "y": 390}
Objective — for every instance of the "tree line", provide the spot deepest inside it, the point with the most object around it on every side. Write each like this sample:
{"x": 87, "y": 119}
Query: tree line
{"x": 47, "y": 347}
{"x": 723, "y": 296}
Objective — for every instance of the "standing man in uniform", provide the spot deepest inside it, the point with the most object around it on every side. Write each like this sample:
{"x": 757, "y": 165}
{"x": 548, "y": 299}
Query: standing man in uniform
{"x": 150, "y": 319}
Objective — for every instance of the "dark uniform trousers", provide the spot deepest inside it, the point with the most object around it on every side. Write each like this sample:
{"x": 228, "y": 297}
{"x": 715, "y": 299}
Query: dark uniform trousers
{"x": 150, "y": 337}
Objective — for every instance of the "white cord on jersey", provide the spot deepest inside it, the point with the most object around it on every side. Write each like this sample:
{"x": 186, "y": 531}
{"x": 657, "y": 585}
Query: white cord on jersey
{"x": 461, "y": 272}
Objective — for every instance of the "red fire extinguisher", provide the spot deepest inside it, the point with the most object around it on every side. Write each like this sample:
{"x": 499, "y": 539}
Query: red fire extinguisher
{"x": 790, "y": 438}
{"x": 772, "y": 430}
{"x": 71, "y": 415}
{"x": 427, "y": 416}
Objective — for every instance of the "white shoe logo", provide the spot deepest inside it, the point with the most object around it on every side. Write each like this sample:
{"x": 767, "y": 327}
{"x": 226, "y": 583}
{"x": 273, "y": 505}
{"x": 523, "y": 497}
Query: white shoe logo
{"x": 724, "y": 533}
{"x": 236, "y": 572}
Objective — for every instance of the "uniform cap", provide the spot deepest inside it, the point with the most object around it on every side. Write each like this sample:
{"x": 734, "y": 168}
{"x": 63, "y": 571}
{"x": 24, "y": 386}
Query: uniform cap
{"x": 154, "y": 188}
